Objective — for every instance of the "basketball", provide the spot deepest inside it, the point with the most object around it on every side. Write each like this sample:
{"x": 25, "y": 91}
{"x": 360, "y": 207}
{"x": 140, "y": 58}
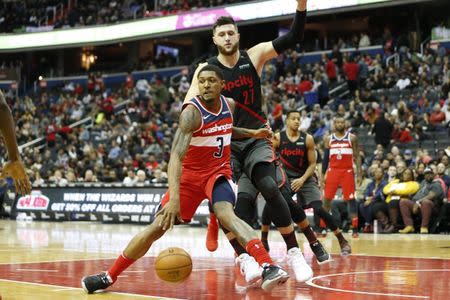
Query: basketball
{"x": 173, "y": 265}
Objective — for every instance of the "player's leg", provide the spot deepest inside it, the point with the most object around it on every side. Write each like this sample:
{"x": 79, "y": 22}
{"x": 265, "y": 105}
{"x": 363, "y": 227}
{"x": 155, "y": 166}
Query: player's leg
{"x": 264, "y": 178}
{"x": 212, "y": 234}
{"x": 329, "y": 221}
{"x": 330, "y": 188}
{"x": 348, "y": 193}
{"x": 223, "y": 199}
{"x": 309, "y": 193}
{"x": 266, "y": 220}
{"x": 190, "y": 199}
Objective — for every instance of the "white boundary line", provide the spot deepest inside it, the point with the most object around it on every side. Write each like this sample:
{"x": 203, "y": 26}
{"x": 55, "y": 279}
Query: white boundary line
{"x": 311, "y": 283}
{"x": 62, "y": 288}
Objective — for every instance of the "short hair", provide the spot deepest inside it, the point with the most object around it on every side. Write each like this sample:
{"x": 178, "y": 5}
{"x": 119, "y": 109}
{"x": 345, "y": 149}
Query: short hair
{"x": 224, "y": 20}
{"x": 212, "y": 68}
{"x": 292, "y": 112}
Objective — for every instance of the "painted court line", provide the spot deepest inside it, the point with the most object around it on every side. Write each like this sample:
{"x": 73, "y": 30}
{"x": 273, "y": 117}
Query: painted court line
{"x": 37, "y": 270}
{"x": 311, "y": 283}
{"x": 62, "y": 288}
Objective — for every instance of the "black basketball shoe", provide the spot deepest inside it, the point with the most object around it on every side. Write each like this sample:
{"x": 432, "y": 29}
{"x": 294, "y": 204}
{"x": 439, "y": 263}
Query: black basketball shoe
{"x": 272, "y": 276}
{"x": 97, "y": 282}
{"x": 321, "y": 254}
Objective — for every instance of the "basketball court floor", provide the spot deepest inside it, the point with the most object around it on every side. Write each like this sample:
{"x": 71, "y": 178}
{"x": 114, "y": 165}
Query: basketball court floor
{"x": 40, "y": 260}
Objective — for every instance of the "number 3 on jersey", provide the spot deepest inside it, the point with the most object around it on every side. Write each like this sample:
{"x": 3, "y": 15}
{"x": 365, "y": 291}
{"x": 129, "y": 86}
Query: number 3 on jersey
{"x": 219, "y": 152}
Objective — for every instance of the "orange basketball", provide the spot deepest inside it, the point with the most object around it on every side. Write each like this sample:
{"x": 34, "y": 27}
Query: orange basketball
{"x": 173, "y": 265}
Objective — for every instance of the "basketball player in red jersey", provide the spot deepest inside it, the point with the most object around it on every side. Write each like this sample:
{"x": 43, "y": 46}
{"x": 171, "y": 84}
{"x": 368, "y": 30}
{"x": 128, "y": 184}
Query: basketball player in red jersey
{"x": 200, "y": 151}
{"x": 14, "y": 168}
{"x": 341, "y": 154}
{"x": 242, "y": 71}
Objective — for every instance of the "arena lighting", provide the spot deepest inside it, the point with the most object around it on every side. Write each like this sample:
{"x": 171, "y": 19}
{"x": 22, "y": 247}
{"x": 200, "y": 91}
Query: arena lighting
{"x": 133, "y": 30}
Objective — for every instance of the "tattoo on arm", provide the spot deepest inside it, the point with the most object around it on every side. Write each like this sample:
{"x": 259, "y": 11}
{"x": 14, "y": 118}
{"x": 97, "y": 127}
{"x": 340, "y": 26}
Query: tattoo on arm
{"x": 189, "y": 121}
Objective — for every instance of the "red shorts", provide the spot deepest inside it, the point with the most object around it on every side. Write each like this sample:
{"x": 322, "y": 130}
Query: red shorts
{"x": 340, "y": 177}
{"x": 194, "y": 188}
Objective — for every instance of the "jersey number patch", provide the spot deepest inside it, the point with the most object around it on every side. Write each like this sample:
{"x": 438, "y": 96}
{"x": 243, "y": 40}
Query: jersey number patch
{"x": 219, "y": 152}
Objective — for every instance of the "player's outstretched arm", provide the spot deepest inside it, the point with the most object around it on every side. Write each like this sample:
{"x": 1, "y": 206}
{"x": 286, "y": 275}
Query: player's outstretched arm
{"x": 265, "y": 51}
{"x": 189, "y": 122}
{"x": 14, "y": 168}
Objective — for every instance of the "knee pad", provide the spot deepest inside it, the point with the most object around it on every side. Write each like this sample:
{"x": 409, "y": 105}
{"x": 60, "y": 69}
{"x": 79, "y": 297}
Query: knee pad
{"x": 267, "y": 186}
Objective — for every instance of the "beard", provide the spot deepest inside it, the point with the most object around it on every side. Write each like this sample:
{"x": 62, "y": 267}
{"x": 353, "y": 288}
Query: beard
{"x": 226, "y": 52}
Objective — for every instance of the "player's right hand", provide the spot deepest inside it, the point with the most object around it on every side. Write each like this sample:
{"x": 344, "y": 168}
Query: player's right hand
{"x": 263, "y": 133}
{"x": 169, "y": 214}
{"x": 16, "y": 171}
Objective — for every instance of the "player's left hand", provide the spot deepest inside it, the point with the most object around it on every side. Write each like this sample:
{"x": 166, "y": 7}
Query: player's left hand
{"x": 16, "y": 170}
{"x": 263, "y": 133}
{"x": 297, "y": 184}
{"x": 169, "y": 214}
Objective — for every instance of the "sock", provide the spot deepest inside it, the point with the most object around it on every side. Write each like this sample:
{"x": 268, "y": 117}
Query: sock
{"x": 355, "y": 223}
{"x": 309, "y": 234}
{"x": 120, "y": 265}
{"x": 290, "y": 240}
{"x": 322, "y": 223}
{"x": 256, "y": 249}
{"x": 339, "y": 236}
{"x": 237, "y": 246}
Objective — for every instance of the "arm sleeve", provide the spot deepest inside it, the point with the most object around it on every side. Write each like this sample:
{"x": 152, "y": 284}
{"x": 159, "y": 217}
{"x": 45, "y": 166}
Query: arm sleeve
{"x": 294, "y": 36}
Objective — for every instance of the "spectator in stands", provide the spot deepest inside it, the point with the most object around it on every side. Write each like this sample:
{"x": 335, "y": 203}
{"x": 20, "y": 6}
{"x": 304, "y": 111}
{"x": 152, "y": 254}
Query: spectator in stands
{"x": 403, "y": 82}
{"x": 331, "y": 70}
{"x": 141, "y": 177}
{"x": 351, "y": 71}
{"x": 373, "y": 195}
{"x": 382, "y": 128}
{"x": 364, "y": 40}
{"x": 131, "y": 178}
{"x": 441, "y": 174}
{"x": 428, "y": 201}
{"x": 437, "y": 117}
{"x": 89, "y": 176}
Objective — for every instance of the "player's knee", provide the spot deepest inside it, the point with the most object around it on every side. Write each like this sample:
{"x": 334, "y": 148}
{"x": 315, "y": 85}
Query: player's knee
{"x": 268, "y": 187}
{"x": 327, "y": 204}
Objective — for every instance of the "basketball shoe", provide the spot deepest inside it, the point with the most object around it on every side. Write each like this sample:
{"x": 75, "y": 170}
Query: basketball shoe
{"x": 297, "y": 262}
{"x": 212, "y": 235}
{"x": 321, "y": 254}
{"x": 249, "y": 268}
{"x": 97, "y": 282}
{"x": 272, "y": 276}
{"x": 346, "y": 249}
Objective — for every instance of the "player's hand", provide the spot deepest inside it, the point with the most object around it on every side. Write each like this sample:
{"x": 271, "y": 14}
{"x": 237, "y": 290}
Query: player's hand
{"x": 16, "y": 170}
{"x": 170, "y": 213}
{"x": 297, "y": 184}
{"x": 263, "y": 133}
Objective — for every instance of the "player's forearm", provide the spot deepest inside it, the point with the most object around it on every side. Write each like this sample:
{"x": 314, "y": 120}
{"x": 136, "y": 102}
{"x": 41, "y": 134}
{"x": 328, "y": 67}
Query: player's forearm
{"x": 295, "y": 34}
{"x": 309, "y": 171}
{"x": 174, "y": 175}
{"x": 240, "y": 133}
{"x": 7, "y": 130}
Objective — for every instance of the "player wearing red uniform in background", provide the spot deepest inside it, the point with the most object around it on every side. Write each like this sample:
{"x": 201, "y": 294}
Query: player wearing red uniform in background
{"x": 341, "y": 153}
{"x": 199, "y": 168}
